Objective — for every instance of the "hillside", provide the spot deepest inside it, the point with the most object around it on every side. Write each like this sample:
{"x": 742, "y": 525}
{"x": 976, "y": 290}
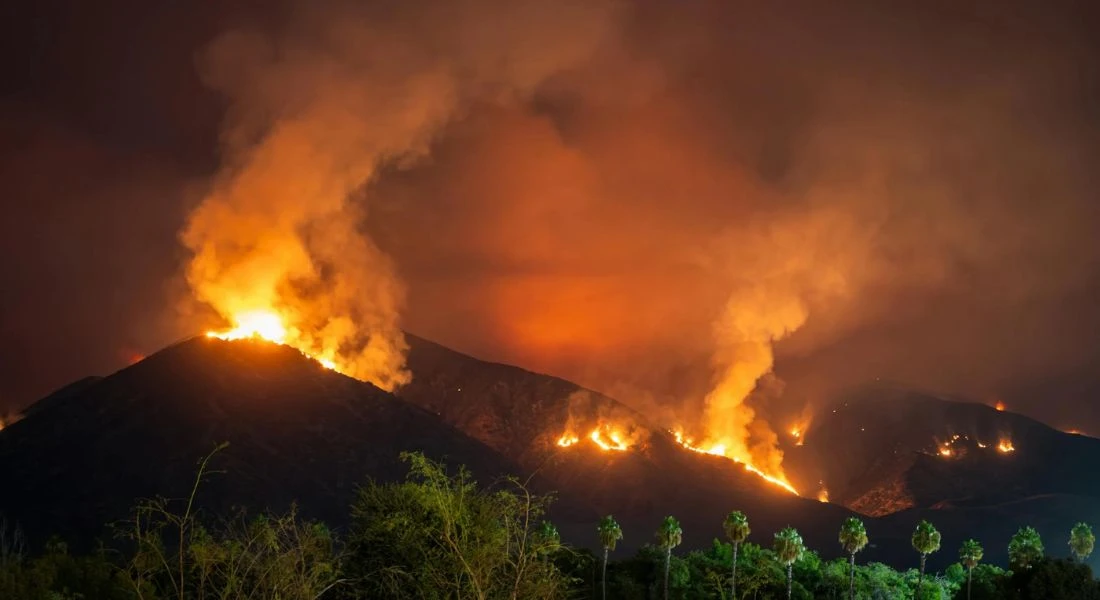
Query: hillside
{"x": 299, "y": 432}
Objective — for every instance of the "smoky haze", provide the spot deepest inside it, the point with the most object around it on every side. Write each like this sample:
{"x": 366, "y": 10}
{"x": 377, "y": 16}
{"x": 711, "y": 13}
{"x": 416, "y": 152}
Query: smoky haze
{"x": 657, "y": 200}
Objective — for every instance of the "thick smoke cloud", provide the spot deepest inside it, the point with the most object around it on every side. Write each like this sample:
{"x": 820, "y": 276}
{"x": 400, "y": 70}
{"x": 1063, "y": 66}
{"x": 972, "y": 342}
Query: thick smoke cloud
{"x": 659, "y": 200}
{"x": 318, "y": 108}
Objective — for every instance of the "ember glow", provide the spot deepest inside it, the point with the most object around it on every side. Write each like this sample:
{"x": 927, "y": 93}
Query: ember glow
{"x": 999, "y": 406}
{"x": 721, "y": 450}
{"x": 823, "y": 495}
{"x": 946, "y": 450}
{"x": 606, "y": 437}
{"x": 1005, "y": 446}
{"x": 268, "y": 326}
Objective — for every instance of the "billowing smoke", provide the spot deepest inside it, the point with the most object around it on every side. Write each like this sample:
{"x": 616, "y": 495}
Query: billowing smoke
{"x": 317, "y": 109}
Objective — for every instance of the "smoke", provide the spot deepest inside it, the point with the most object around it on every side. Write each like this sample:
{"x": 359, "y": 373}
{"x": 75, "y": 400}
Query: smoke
{"x": 318, "y": 108}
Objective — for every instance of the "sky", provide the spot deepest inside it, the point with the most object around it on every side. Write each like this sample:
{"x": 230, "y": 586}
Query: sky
{"x": 637, "y": 195}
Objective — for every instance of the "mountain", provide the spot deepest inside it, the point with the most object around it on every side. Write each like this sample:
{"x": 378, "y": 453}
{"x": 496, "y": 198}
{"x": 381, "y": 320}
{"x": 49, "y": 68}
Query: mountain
{"x": 902, "y": 455}
{"x": 299, "y": 432}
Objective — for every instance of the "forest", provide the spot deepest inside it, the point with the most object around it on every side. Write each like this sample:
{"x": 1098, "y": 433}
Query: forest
{"x": 441, "y": 535}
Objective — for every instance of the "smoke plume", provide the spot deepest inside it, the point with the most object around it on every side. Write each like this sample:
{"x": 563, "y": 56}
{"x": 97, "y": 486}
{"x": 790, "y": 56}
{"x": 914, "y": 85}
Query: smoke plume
{"x": 317, "y": 109}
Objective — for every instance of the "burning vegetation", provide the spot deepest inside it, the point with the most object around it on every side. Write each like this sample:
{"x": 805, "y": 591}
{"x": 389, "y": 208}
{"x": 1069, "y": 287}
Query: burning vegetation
{"x": 958, "y": 445}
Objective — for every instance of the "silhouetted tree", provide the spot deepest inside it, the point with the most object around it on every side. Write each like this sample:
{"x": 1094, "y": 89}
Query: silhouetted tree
{"x": 1025, "y": 548}
{"x": 788, "y": 548}
{"x": 610, "y": 533}
{"x": 970, "y": 554}
{"x": 737, "y": 530}
{"x": 853, "y": 537}
{"x": 926, "y": 540}
{"x": 669, "y": 535}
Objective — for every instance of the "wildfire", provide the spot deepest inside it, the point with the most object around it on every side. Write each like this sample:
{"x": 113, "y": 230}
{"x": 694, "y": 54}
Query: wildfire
{"x": 606, "y": 437}
{"x": 823, "y": 495}
{"x": 1005, "y": 446}
{"x": 268, "y": 326}
{"x": 946, "y": 450}
{"x": 720, "y": 450}
{"x": 568, "y": 440}
{"x": 999, "y": 406}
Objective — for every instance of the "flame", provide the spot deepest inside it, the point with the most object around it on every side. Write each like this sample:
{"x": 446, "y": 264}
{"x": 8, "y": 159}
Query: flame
{"x": 981, "y": 445}
{"x": 946, "y": 450}
{"x": 823, "y": 495}
{"x": 721, "y": 450}
{"x": 1005, "y": 446}
{"x": 567, "y": 440}
{"x": 268, "y": 326}
{"x": 607, "y": 437}
{"x": 999, "y": 406}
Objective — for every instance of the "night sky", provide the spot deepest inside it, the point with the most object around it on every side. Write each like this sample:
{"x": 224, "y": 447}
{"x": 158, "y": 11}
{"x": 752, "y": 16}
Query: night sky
{"x": 920, "y": 178}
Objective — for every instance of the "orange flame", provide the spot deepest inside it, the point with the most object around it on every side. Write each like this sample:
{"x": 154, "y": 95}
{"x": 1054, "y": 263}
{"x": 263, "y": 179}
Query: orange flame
{"x": 823, "y": 495}
{"x": 945, "y": 450}
{"x": 1005, "y": 446}
{"x": 999, "y": 405}
{"x": 268, "y": 326}
{"x": 606, "y": 437}
{"x": 720, "y": 450}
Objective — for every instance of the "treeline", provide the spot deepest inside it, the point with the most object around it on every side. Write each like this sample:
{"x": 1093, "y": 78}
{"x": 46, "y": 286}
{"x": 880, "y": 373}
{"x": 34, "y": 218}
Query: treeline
{"x": 440, "y": 535}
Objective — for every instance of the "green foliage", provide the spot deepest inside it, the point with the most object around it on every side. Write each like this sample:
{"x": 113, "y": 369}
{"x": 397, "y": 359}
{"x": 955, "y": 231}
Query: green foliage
{"x": 58, "y": 575}
{"x": 441, "y": 536}
{"x": 610, "y": 532}
{"x": 853, "y": 535}
{"x": 1081, "y": 541}
{"x": 1051, "y": 579}
{"x": 669, "y": 534}
{"x": 1025, "y": 548}
{"x": 788, "y": 546}
{"x": 970, "y": 554}
{"x": 926, "y": 539}
{"x": 736, "y": 527}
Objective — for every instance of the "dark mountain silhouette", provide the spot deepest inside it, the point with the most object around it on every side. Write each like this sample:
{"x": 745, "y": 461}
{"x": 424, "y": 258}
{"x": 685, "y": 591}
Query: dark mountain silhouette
{"x": 299, "y": 432}
{"x": 902, "y": 455}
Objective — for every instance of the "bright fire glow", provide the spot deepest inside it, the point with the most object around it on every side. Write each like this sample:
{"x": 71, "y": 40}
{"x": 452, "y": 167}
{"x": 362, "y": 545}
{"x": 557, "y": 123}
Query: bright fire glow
{"x": 946, "y": 450}
{"x": 262, "y": 324}
{"x": 999, "y": 405}
{"x": 720, "y": 450}
{"x": 606, "y": 437}
{"x": 268, "y": 326}
{"x": 567, "y": 440}
{"x": 823, "y": 495}
{"x": 1005, "y": 446}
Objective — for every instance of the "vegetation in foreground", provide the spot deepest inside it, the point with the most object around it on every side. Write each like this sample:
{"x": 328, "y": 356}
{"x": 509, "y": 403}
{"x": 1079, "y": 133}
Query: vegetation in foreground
{"x": 440, "y": 535}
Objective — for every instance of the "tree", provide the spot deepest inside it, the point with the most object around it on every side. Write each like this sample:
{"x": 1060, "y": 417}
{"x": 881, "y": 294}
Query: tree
{"x": 788, "y": 548}
{"x": 669, "y": 535}
{"x": 1025, "y": 548}
{"x": 439, "y": 535}
{"x": 737, "y": 530}
{"x": 970, "y": 554}
{"x": 853, "y": 537}
{"x": 1081, "y": 541}
{"x": 926, "y": 540}
{"x": 610, "y": 533}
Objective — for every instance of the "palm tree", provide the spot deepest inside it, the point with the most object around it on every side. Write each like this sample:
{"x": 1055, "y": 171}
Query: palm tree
{"x": 737, "y": 530}
{"x": 1025, "y": 548}
{"x": 970, "y": 555}
{"x": 669, "y": 535}
{"x": 926, "y": 540}
{"x": 853, "y": 537}
{"x": 1081, "y": 541}
{"x": 610, "y": 533}
{"x": 789, "y": 548}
